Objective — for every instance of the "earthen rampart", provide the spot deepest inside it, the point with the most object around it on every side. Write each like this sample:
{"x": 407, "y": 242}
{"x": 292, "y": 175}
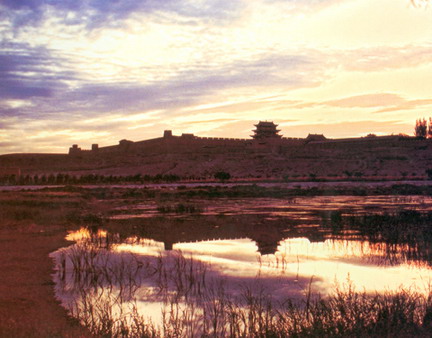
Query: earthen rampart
{"x": 10, "y": 172}
{"x": 188, "y": 155}
{"x": 358, "y": 140}
{"x": 185, "y": 143}
{"x": 315, "y": 145}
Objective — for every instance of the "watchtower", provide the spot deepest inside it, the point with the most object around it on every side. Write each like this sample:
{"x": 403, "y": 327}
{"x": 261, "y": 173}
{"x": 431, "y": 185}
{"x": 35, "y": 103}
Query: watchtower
{"x": 266, "y": 130}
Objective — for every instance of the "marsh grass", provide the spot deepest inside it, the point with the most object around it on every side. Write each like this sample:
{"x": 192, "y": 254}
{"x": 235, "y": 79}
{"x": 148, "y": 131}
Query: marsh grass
{"x": 404, "y": 236}
{"x": 195, "y": 303}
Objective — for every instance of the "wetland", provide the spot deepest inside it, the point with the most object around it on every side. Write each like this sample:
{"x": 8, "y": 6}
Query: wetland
{"x": 224, "y": 261}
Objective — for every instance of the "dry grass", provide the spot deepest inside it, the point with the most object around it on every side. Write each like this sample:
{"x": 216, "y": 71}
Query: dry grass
{"x": 195, "y": 304}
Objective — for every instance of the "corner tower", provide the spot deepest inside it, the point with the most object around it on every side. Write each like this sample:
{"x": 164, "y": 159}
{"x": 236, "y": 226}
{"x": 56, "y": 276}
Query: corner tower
{"x": 266, "y": 130}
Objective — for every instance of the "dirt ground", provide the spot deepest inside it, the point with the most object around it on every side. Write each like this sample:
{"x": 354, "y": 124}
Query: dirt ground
{"x": 28, "y": 307}
{"x": 27, "y": 304}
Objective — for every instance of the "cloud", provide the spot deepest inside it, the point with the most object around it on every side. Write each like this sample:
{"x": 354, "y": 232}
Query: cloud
{"x": 358, "y": 101}
{"x": 30, "y": 72}
{"x": 385, "y": 57}
{"x": 387, "y": 102}
{"x": 366, "y": 101}
{"x": 6, "y": 125}
{"x": 188, "y": 87}
{"x": 407, "y": 105}
{"x": 111, "y": 13}
{"x": 50, "y": 95}
{"x": 60, "y": 66}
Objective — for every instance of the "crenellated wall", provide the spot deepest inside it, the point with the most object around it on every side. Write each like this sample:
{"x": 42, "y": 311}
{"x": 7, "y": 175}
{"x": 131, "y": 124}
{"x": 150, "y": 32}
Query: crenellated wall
{"x": 193, "y": 156}
{"x": 187, "y": 143}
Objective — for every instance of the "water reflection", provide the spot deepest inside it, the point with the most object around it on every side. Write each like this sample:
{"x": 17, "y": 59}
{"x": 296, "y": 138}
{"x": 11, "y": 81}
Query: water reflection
{"x": 283, "y": 250}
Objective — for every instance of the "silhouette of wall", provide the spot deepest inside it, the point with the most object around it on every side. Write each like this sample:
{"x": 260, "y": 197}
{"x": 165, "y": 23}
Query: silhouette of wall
{"x": 190, "y": 156}
{"x": 10, "y": 172}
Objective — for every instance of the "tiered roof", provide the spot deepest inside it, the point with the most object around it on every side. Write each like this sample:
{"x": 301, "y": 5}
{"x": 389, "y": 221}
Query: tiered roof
{"x": 266, "y": 129}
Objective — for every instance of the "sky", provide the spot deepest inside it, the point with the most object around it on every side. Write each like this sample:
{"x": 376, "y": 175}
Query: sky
{"x": 98, "y": 71}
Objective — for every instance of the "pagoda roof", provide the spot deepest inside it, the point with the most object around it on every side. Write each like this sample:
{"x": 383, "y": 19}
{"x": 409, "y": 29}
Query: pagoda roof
{"x": 266, "y": 129}
{"x": 266, "y": 123}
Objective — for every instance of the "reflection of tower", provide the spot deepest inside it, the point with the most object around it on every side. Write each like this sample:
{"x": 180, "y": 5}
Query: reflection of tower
{"x": 267, "y": 247}
{"x": 168, "y": 245}
{"x": 266, "y": 130}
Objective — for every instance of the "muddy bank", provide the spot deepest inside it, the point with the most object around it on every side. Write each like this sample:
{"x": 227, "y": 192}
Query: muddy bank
{"x": 27, "y": 304}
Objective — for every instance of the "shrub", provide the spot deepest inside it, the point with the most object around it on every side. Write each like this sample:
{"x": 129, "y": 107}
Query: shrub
{"x": 222, "y": 176}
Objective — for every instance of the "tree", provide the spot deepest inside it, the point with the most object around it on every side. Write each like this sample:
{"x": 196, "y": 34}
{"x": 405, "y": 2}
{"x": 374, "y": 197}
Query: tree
{"x": 429, "y": 130}
{"x": 222, "y": 175}
{"x": 420, "y": 129}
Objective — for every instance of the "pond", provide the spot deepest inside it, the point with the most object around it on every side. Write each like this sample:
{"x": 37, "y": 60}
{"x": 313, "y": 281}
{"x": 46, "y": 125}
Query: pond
{"x": 229, "y": 267}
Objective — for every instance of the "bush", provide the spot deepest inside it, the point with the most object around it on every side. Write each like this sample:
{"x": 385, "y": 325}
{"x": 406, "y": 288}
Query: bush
{"x": 222, "y": 175}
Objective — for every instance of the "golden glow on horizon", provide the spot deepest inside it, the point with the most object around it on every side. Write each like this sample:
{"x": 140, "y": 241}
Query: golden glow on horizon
{"x": 274, "y": 60}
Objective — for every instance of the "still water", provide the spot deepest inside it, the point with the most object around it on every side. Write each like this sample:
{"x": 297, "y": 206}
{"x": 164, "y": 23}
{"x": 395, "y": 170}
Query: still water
{"x": 159, "y": 259}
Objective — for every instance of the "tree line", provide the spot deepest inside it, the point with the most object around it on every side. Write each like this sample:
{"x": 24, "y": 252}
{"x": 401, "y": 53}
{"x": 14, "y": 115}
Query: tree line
{"x": 60, "y": 179}
{"x": 423, "y": 129}
{"x": 55, "y": 179}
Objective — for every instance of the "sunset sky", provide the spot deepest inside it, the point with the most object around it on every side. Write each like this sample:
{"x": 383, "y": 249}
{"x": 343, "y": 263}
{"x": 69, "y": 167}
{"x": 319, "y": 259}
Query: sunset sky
{"x": 97, "y": 71}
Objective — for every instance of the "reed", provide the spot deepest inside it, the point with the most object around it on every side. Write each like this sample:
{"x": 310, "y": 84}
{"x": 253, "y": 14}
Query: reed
{"x": 196, "y": 303}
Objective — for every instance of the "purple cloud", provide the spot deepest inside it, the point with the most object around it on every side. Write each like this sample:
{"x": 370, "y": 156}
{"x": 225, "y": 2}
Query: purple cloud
{"x": 27, "y": 72}
{"x": 112, "y": 13}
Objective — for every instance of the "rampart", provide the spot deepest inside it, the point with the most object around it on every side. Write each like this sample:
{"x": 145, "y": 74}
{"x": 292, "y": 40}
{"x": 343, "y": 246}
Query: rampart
{"x": 191, "y": 157}
{"x": 10, "y": 172}
{"x": 186, "y": 143}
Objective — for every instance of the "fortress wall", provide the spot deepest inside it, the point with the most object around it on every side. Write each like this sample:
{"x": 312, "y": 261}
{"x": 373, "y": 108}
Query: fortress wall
{"x": 30, "y": 163}
{"x": 231, "y": 140}
{"x": 350, "y": 144}
{"x": 108, "y": 149}
{"x": 188, "y": 154}
{"x": 184, "y": 144}
{"x": 224, "y": 144}
{"x": 360, "y": 141}
{"x": 211, "y": 145}
{"x": 202, "y": 144}
{"x": 293, "y": 139}
{"x": 10, "y": 172}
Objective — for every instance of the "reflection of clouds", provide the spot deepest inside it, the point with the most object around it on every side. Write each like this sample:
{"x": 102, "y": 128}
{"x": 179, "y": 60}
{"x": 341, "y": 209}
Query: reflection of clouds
{"x": 139, "y": 273}
{"x": 297, "y": 258}
{"x": 334, "y": 260}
